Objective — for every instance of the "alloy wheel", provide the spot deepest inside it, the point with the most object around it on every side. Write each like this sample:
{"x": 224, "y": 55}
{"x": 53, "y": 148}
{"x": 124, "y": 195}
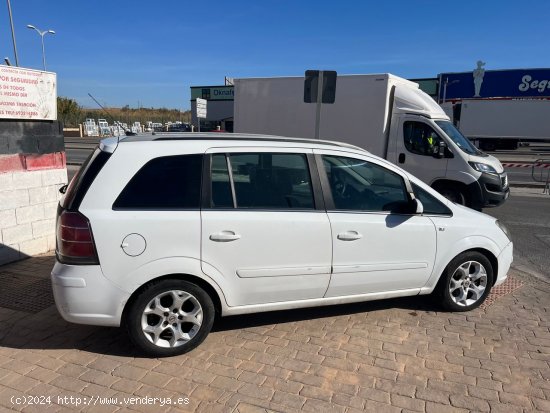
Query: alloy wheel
{"x": 468, "y": 283}
{"x": 172, "y": 318}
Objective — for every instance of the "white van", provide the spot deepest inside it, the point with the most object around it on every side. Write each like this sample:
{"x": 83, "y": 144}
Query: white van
{"x": 387, "y": 115}
{"x": 162, "y": 233}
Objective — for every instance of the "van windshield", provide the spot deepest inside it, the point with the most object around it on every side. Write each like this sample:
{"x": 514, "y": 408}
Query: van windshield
{"x": 458, "y": 138}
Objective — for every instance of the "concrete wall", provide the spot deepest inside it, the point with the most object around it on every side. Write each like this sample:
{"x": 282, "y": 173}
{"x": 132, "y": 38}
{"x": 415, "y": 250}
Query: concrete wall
{"x": 28, "y": 205}
{"x": 32, "y": 169}
{"x": 30, "y": 137}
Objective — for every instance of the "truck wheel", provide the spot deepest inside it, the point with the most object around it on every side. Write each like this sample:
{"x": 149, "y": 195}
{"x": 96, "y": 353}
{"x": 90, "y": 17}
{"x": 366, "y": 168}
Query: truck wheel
{"x": 453, "y": 194}
{"x": 465, "y": 282}
{"x": 170, "y": 317}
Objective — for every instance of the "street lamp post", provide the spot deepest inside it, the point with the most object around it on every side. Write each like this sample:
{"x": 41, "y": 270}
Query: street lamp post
{"x": 42, "y": 34}
{"x": 13, "y": 35}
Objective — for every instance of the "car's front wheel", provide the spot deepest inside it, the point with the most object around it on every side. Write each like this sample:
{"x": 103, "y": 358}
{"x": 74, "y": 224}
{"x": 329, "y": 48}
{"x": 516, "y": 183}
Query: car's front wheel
{"x": 466, "y": 282}
{"x": 170, "y": 317}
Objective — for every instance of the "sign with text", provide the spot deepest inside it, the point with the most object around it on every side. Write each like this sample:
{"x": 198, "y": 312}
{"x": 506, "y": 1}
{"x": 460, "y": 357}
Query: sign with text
{"x": 27, "y": 94}
{"x": 514, "y": 83}
{"x": 201, "y": 108}
{"x": 213, "y": 92}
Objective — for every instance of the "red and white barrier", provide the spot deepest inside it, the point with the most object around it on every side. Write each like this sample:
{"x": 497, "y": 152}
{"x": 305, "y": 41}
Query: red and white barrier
{"x": 525, "y": 165}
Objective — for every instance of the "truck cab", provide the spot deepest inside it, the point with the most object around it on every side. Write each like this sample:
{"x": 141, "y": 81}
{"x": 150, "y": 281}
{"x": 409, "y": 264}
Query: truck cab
{"x": 424, "y": 141}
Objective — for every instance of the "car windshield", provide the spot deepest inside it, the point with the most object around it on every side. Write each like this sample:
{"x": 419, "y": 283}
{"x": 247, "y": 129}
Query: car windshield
{"x": 458, "y": 138}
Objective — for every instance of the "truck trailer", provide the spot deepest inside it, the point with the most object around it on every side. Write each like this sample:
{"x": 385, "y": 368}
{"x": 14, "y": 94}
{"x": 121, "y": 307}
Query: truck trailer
{"x": 501, "y": 123}
{"x": 387, "y": 115}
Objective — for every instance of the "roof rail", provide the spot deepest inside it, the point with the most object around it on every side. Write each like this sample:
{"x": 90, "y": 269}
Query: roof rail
{"x": 190, "y": 136}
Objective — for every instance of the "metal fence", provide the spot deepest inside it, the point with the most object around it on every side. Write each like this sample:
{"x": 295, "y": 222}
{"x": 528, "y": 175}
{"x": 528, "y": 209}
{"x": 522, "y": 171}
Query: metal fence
{"x": 540, "y": 172}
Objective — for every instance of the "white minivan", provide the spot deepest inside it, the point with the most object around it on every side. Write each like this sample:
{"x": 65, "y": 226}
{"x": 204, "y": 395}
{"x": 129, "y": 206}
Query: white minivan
{"x": 162, "y": 233}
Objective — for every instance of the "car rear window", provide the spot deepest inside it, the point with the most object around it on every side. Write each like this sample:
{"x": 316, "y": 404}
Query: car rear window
{"x": 83, "y": 179}
{"x": 165, "y": 183}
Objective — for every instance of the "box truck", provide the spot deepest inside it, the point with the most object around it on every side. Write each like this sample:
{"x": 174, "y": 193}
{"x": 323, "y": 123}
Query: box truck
{"x": 501, "y": 123}
{"x": 387, "y": 115}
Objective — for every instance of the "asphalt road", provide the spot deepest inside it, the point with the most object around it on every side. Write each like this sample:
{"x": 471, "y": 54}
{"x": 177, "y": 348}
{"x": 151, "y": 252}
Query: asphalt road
{"x": 527, "y": 214}
{"x": 522, "y": 156}
{"x": 520, "y": 175}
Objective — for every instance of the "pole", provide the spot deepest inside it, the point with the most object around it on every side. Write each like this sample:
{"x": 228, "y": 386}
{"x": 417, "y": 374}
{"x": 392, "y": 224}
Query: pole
{"x": 43, "y": 52}
{"x": 13, "y": 35}
{"x": 445, "y": 89}
{"x": 318, "y": 106}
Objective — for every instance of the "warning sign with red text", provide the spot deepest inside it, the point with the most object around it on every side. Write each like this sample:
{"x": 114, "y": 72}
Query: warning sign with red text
{"x": 27, "y": 94}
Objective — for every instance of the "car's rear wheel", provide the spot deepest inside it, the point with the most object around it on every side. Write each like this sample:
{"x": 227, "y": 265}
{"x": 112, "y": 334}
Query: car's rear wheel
{"x": 170, "y": 317}
{"x": 466, "y": 282}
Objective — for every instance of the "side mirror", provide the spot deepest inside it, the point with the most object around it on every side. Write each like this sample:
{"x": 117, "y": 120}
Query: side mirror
{"x": 63, "y": 189}
{"x": 413, "y": 206}
{"x": 440, "y": 150}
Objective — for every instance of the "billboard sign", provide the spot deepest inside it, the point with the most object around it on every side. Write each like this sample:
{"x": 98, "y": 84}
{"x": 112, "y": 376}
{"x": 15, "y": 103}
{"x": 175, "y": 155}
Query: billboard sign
{"x": 212, "y": 92}
{"x": 27, "y": 94}
{"x": 483, "y": 84}
{"x": 201, "y": 108}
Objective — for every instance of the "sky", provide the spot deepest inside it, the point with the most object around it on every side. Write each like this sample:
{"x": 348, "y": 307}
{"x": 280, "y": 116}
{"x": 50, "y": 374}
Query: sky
{"x": 149, "y": 53}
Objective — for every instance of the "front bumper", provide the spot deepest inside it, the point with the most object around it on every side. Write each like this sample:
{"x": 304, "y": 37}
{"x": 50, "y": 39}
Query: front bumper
{"x": 84, "y": 296}
{"x": 504, "y": 262}
{"x": 490, "y": 190}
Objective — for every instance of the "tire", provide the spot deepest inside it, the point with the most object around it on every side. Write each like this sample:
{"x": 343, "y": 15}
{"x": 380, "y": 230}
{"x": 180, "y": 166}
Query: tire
{"x": 170, "y": 317}
{"x": 465, "y": 282}
{"x": 453, "y": 195}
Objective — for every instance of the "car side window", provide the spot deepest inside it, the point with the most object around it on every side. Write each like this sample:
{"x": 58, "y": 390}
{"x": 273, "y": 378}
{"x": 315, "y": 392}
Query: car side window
{"x": 165, "y": 183}
{"x": 267, "y": 181}
{"x": 363, "y": 186}
{"x": 431, "y": 205}
{"x": 221, "y": 186}
{"x": 420, "y": 138}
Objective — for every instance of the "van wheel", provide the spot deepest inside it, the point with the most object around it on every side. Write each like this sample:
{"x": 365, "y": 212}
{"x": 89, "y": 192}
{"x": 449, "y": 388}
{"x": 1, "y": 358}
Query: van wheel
{"x": 170, "y": 317}
{"x": 466, "y": 282}
{"x": 453, "y": 195}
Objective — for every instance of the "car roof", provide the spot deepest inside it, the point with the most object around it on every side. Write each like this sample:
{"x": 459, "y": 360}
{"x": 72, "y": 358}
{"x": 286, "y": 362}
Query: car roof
{"x": 109, "y": 144}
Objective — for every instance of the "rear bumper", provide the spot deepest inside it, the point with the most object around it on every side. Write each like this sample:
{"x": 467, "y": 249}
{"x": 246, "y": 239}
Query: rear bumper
{"x": 84, "y": 296}
{"x": 490, "y": 190}
{"x": 504, "y": 262}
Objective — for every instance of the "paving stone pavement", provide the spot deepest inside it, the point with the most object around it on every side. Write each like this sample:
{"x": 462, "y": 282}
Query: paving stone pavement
{"x": 399, "y": 355}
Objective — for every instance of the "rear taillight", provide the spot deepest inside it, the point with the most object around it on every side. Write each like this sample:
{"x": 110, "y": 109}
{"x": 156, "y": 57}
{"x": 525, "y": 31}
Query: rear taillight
{"x": 75, "y": 241}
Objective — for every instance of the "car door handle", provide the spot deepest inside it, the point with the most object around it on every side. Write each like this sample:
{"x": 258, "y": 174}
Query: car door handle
{"x": 401, "y": 158}
{"x": 349, "y": 236}
{"x": 224, "y": 236}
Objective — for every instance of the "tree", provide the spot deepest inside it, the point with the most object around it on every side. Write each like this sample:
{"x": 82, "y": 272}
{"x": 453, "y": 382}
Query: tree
{"x": 68, "y": 111}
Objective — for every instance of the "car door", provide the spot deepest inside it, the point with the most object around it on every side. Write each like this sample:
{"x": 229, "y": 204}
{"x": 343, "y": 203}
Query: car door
{"x": 264, "y": 227}
{"x": 374, "y": 250}
{"x": 416, "y": 142}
